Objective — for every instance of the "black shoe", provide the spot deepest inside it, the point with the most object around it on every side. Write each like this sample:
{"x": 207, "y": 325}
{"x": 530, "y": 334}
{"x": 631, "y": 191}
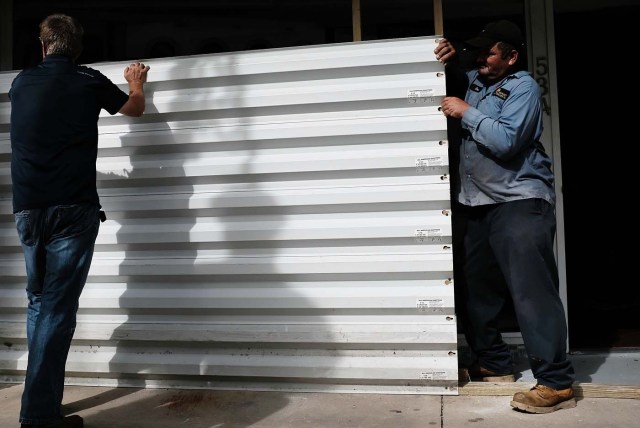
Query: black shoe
{"x": 73, "y": 421}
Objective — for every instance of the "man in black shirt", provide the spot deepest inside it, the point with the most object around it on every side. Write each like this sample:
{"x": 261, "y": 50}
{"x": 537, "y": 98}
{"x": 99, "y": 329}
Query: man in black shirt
{"x": 54, "y": 145}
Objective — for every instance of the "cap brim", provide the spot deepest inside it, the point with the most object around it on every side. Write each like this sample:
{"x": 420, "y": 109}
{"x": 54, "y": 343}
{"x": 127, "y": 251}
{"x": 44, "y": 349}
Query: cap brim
{"x": 480, "y": 42}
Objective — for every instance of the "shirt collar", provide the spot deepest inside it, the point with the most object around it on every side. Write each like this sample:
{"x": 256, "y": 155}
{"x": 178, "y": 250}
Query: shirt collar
{"x": 57, "y": 58}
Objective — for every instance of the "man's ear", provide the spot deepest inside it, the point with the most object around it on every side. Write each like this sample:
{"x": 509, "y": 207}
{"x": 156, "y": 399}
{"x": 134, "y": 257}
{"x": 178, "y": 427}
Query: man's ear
{"x": 513, "y": 57}
{"x": 44, "y": 49}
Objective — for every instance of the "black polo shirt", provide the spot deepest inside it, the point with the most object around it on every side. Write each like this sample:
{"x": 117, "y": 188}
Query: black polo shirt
{"x": 54, "y": 132}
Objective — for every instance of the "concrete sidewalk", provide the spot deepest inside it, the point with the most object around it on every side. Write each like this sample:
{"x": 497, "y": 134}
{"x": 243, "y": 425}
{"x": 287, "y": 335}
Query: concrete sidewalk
{"x": 103, "y": 407}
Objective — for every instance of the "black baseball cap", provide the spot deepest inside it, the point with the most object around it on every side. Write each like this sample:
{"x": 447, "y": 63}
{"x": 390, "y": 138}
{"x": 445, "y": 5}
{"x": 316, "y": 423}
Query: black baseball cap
{"x": 498, "y": 31}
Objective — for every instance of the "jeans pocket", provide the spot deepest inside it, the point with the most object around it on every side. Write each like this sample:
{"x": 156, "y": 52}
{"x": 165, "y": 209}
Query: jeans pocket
{"x": 73, "y": 220}
{"x": 23, "y": 225}
{"x": 540, "y": 206}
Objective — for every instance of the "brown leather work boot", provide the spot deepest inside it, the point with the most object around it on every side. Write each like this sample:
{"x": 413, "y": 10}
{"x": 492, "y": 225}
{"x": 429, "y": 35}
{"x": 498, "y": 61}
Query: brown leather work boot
{"x": 542, "y": 399}
{"x": 480, "y": 374}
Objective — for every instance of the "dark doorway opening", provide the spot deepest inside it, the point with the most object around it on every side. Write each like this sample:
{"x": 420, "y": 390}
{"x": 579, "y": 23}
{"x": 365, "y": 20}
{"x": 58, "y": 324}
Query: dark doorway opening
{"x": 594, "y": 83}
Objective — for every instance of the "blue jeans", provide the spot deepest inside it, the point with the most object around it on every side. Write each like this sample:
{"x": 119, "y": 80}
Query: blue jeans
{"x": 58, "y": 244}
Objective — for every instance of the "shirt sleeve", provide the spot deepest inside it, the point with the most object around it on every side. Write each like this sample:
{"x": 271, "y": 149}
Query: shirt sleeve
{"x": 110, "y": 96}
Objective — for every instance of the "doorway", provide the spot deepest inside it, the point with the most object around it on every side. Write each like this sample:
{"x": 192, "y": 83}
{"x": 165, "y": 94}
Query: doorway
{"x": 593, "y": 84}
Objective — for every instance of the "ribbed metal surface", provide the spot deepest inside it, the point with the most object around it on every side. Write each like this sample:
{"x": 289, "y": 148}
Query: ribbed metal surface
{"x": 278, "y": 219}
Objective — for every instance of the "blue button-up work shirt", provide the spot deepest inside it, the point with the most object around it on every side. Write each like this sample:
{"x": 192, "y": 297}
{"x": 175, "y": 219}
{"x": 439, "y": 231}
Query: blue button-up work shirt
{"x": 501, "y": 157}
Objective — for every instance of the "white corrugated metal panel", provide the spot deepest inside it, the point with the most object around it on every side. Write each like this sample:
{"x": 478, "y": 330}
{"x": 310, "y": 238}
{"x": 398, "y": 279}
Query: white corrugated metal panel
{"x": 278, "y": 219}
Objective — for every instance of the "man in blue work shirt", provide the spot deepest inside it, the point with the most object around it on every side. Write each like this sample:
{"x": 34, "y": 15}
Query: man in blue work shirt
{"x": 54, "y": 145}
{"x": 505, "y": 192}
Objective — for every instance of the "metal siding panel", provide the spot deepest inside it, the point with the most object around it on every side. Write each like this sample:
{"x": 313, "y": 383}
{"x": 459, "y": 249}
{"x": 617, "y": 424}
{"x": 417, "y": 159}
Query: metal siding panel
{"x": 278, "y": 219}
